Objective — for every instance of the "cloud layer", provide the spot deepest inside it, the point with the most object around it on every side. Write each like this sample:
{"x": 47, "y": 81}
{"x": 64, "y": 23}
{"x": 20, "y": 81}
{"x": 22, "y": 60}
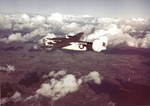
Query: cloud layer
{"x": 55, "y": 85}
{"x": 61, "y": 83}
{"x": 130, "y": 32}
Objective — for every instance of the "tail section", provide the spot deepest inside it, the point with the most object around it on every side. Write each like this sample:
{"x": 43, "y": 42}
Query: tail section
{"x": 100, "y": 44}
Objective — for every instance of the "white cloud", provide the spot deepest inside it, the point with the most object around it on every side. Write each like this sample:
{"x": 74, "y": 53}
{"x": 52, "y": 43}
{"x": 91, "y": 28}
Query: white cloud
{"x": 56, "y": 17}
{"x": 16, "y": 97}
{"x": 127, "y": 40}
{"x": 16, "y": 37}
{"x": 62, "y": 83}
{"x": 93, "y": 76}
{"x": 56, "y": 85}
{"x": 126, "y": 28}
{"x": 8, "y": 68}
{"x": 36, "y": 33}
{"x": 55, "y": 20}
{"x": 59, "y": 88}
{"x": 39, "y": 19}
{"x": 40, "y": 26}
{"x": 71, "y": 27}
{"x": 110, "y": 30}
{"x": 31, "y": 97}
{"x": 144, "y": 42}
{"x": 25, "y": 17}
{"x": 137, "y": 19}
{"x": 56, "y": 74}
{"x": 4, "y": 22}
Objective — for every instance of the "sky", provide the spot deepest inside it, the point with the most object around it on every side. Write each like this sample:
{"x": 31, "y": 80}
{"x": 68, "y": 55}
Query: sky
{"x": 98, "y": 8}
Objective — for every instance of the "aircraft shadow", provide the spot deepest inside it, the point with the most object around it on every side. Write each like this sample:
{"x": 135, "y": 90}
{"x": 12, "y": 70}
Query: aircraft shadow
{"x": 125, "y": 94}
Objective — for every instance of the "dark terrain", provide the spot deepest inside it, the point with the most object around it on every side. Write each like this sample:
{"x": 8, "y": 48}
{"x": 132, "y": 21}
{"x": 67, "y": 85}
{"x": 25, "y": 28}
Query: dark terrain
{"x": 125, "y": 71}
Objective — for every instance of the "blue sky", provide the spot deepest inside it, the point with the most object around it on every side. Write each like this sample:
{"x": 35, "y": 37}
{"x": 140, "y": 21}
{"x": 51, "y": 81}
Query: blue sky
{"x": 100, "y": 8}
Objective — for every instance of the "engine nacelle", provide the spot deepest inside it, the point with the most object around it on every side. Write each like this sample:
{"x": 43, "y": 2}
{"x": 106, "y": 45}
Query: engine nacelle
{"x": 100, "y": 44}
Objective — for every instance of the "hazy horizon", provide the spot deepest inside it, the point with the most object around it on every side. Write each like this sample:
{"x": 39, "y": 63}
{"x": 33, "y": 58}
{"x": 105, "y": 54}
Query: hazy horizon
{"x": 96, "y": 8}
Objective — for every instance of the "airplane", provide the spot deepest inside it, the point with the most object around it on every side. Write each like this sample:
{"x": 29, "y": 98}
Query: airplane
{"x": 74, "y": 43}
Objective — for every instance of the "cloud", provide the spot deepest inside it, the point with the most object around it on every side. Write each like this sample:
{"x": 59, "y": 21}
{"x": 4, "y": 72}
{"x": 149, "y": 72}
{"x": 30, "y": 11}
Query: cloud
{"x": 16, "y": 97}
{"x": 110, "y": 30}
{"x": 16, "y": 37}
{"x": 93, "y": 76}
{"x": 25, "y": 17}
{"x": 3, "y": 100}
{"x": 36, "y": 33}
{"x": 5, "y": 22}
{"x": 38, "y": 19}
{"x": 127, "y": 40}
{"x": 31, "y": 97}
{"x": 62, "y": 83}
{"x": 8, "y": 68}
{"x": 71, "y": 27}
{"x": 59, "y": 88}
{"x": 36, "y": 27}
{"x": 56, "y": 17}
{"x": 56, "y": 74}
{"x": 56, "y": 85}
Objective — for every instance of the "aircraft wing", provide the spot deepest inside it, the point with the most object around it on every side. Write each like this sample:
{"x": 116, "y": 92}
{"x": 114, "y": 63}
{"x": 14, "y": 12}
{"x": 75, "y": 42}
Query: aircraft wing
{"x": 75, "y": 38}
{"x": 62, "y": 42}
{"x": 66, "y": 42}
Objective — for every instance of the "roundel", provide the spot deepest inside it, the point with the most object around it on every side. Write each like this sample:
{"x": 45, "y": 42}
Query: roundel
{"x": 81, "y": 46}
